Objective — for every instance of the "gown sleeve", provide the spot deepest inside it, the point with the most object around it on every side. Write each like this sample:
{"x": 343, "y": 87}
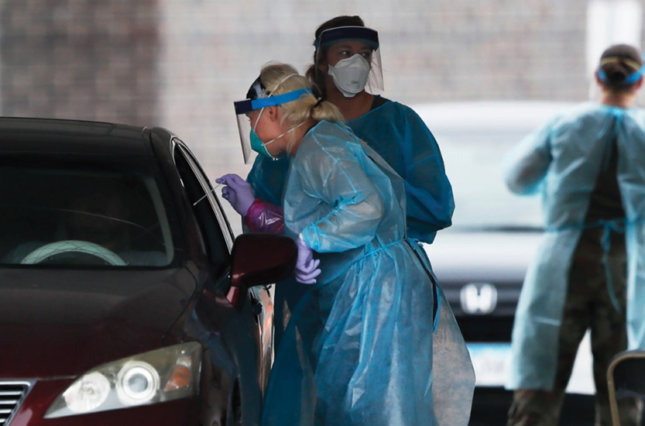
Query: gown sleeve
{"x": 526, "y": 165}
{"x": 267, "y": 178}
{"x": 430, "y": 202}
{"x": 338, "y": 180}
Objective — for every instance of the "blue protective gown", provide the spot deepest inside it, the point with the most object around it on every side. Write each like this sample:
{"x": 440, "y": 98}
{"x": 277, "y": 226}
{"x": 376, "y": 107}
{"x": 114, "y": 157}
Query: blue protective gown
{"x": 562, "y": 161}
{"x": 401, "y": 137}
{"x": 373, "y": 342}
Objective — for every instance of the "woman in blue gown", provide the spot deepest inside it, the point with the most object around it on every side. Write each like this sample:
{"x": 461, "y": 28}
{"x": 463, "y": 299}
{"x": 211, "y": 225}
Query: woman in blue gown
{"x": 372, "y": 341}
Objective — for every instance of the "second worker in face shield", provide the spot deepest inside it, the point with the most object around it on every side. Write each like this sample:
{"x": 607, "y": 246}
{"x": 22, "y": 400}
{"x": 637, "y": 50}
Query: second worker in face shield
{"x": 373, "y": 341}
{"x": 347, "y": 72}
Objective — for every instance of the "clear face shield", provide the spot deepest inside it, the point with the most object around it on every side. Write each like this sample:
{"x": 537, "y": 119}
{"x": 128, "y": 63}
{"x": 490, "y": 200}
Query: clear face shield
{"x": 350, "y": 74}
{"x": 244, "y": 111}
{"x": 248, "y": 114}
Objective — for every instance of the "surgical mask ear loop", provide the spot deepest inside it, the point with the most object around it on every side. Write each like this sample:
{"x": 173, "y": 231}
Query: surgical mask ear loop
{"x": 258, "y": 119}
{"x": 264, "y": 144}
{"x": 285, "y": 78}
{"x": 256, "y": 143}
{"x": 284, "y": 133}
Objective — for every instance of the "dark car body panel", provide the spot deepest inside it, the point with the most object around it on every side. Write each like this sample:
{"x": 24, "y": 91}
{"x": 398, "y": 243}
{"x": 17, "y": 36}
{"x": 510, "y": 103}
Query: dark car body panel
{"x": 85, "y": 310}
{"x": 58, "y": 322}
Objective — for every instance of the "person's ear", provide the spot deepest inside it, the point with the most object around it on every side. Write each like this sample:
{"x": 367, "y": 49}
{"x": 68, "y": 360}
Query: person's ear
{"x": 639, "y": 83}
{"x": 598, "y": 80}
{"x": 273, "y": 112}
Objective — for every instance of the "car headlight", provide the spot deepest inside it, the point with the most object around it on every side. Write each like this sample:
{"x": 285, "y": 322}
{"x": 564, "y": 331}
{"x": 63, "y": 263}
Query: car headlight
{"x": 149, "y": 378}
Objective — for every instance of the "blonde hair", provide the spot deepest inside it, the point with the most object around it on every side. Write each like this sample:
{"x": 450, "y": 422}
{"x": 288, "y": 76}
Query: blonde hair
{"x": 280, "y": 78}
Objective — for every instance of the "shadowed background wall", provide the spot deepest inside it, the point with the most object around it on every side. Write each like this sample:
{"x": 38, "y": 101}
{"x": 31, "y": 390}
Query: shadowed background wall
{"x": 181, "y": 63}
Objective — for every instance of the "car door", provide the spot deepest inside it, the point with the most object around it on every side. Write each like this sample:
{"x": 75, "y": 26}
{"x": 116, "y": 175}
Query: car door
{"x": 246, "y": 332}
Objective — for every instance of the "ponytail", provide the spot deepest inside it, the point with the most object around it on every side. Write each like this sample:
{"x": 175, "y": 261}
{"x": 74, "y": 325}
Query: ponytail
{"x": 325, "y": 110}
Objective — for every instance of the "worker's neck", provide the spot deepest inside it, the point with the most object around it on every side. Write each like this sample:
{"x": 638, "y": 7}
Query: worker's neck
{"x": 351, "y": 108}
{"x": 621, "y": 100}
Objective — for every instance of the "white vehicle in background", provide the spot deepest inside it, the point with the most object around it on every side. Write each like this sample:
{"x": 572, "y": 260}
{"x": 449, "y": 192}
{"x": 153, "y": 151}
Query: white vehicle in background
{"x": 481, "y": 260}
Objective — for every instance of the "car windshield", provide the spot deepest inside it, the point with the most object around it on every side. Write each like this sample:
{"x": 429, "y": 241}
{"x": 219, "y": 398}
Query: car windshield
{"x": 474, "y": 138}
{"x": 474, "y": 166}
{"x": 81, "y": 214}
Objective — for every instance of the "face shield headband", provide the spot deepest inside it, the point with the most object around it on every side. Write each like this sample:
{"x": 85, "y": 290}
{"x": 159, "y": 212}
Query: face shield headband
{"x": 334, "y": 35}
{"x": 248, "y": 105}
{"x": 360, "y": 34}
{"x": 257, "y": 98}
{"x": 631, "y": 79}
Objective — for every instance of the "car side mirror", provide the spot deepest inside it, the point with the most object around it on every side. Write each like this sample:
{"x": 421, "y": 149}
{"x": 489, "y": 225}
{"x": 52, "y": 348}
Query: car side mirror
{"x": 260, "y": 259}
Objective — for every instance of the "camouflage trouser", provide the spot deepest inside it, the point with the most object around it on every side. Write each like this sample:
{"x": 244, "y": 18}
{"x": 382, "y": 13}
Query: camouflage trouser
{"x": 588, "y": 306}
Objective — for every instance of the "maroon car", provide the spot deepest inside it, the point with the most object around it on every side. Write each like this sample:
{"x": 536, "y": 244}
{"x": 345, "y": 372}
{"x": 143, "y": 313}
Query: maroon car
{"x": 124, "y": 299}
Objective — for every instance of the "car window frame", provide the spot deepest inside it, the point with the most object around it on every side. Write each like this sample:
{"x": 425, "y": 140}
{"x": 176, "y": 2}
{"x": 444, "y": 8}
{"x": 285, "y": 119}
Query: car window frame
{"x": 205, "y": 196}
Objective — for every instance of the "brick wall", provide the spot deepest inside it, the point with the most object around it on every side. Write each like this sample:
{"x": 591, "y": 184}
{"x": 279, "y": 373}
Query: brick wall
{"x": 494, "y": 49}
{"x": 88, "y": 59}
{"x": 181, "y": 63}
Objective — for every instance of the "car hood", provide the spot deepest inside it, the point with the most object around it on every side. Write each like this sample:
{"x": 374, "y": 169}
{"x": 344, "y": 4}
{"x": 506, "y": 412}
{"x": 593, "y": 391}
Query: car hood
{"x": 61, "y": 322}
{"x": 462, "y": 256}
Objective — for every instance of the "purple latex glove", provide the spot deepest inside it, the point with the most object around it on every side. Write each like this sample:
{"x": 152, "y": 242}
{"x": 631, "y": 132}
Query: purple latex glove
{"x": 237, "y": 191}
{"x": 307, "y": 268}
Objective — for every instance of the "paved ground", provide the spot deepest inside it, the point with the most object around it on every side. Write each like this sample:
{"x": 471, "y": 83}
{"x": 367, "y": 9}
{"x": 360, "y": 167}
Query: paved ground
{"x": 491, "y": 404}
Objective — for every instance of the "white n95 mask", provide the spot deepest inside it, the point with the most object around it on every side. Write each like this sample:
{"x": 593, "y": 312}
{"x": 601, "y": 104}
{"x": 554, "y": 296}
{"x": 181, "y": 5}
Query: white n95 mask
{"x": 350, "y": 75}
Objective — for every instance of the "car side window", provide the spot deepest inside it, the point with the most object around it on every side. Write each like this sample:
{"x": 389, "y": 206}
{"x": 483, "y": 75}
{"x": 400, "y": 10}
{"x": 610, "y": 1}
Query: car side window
{"x": 213, "y": 238}
{"x": 82, "y": 213}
